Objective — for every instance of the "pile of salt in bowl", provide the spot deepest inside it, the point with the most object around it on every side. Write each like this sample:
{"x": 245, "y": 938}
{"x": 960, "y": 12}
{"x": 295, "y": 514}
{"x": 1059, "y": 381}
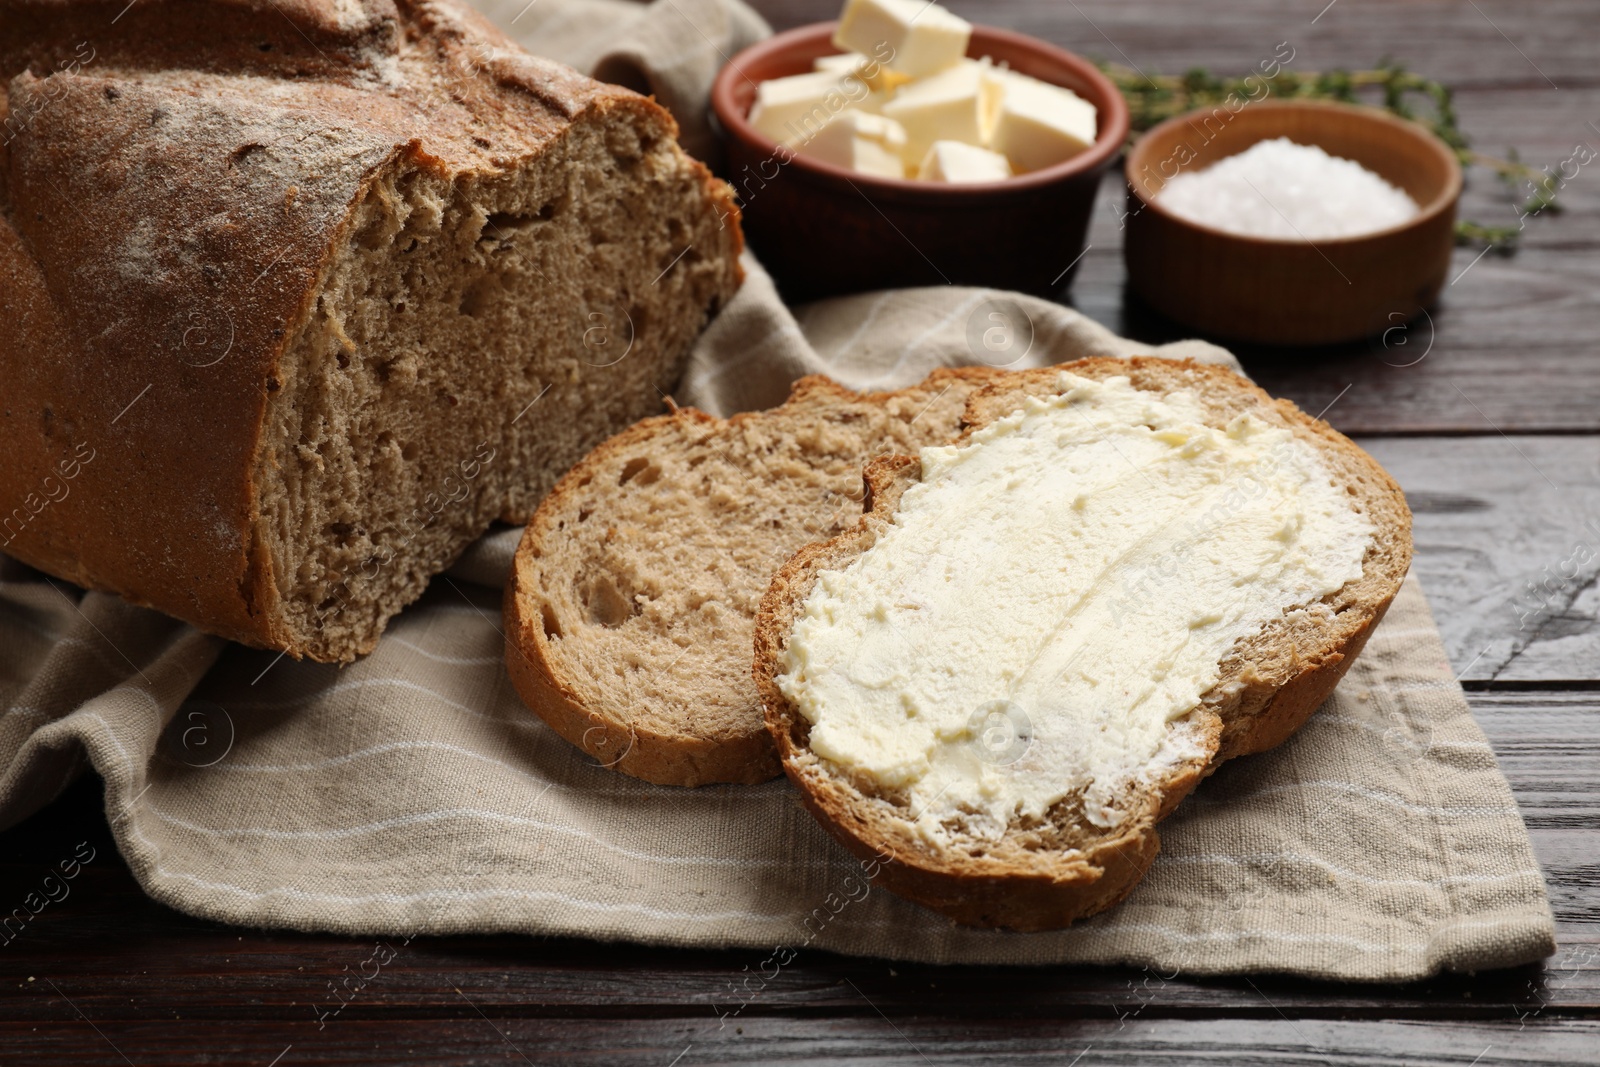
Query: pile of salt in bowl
{"x": 1283, "y": 190}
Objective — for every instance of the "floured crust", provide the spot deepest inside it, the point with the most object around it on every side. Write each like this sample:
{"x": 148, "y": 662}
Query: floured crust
{"x": 723, "y": 738}
{"x": 1270, "y": 683}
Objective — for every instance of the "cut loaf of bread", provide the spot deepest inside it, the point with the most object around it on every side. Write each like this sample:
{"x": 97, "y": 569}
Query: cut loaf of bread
{"x": 631, "y": 607}
{"x": 301, "y": 297}
{"x": 1044, "y": 873}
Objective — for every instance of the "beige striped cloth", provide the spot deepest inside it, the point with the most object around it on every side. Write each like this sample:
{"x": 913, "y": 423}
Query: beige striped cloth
{"x": 412, "y": 793}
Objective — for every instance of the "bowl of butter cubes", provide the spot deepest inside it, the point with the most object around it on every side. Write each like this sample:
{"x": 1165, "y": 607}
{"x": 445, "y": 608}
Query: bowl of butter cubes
{"x": 902, "y": 145}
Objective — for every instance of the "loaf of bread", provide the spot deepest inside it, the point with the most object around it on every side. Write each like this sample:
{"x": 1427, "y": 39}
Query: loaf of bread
{"x": 631, "y": 606}
{"x": 1043, "y": 630}
{"x": 301, "y": 296}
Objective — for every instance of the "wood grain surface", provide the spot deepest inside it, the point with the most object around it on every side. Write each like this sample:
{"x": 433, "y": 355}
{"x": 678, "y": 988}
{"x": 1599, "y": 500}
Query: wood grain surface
{"x": 1488, "y": 414}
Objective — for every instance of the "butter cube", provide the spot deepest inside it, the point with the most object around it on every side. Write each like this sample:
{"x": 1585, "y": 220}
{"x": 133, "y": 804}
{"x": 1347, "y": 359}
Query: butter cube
{"x": 1038, "y": 124}
{"x": 957, "y": 104}
{"x": 794, "y": 109}
{"x": 877, "y": 76}
{"x": 954, "y": 161}
{"x": 867, "y": 144}
{"x": 922, "y": 37}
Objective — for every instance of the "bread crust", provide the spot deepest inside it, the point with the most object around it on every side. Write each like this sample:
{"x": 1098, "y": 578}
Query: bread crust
{"x": 1044, "y": 889}
{"x": 133, "y": 225}
{"x": 609, "y": 734}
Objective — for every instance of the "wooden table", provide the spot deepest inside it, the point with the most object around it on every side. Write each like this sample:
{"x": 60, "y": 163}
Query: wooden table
{"x": 1489, "y": 417}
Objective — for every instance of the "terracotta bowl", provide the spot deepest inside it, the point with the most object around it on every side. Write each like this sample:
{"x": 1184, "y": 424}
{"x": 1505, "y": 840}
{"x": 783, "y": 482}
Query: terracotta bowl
{"x": 823, "y": 230}
{"x": 1291, "y": 292}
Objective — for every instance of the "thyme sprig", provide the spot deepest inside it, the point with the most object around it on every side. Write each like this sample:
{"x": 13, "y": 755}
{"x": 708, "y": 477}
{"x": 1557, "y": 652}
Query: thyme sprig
{"x": 1155, "y": 98}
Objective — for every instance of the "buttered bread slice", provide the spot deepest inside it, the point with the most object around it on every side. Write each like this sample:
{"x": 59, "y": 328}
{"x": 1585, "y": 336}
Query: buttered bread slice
{"x": 1039, "y": 639}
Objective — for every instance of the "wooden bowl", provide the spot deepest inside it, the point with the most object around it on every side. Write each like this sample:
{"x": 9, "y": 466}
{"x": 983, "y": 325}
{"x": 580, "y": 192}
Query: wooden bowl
{"x": 1291, "y": 292}
{"x": 822, "y": 230}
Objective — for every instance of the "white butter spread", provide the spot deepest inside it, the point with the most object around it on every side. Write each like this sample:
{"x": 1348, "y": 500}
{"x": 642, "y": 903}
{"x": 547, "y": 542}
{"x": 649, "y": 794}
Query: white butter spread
{"x": 1053, "y": 593}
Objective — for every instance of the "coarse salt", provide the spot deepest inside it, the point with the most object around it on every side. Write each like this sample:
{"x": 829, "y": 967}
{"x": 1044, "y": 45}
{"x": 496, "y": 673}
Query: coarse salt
{"x": 1281, "y": 189}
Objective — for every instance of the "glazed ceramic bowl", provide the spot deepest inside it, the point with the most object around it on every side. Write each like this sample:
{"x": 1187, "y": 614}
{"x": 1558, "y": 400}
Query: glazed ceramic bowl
{"x": 822, "y": 230}
{"x": 1291, "y": 292}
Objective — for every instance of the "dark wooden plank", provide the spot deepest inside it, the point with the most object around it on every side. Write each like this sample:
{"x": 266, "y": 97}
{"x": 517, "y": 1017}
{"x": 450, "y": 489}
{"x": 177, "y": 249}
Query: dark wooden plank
{"x": 1508, "y": 550}
{"x": 1548, "y": 746}
{"x": 471, "y": 1039}
{"x": 1544, "y": 128}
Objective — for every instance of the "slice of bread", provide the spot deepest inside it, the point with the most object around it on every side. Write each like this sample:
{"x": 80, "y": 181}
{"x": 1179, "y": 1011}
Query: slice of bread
{"x": 631, "y": 607}
{"x": 1042, "y": 873}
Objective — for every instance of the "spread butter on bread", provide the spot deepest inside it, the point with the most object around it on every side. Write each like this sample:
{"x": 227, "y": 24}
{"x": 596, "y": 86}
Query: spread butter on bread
{"x": 1039, "y": 639}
